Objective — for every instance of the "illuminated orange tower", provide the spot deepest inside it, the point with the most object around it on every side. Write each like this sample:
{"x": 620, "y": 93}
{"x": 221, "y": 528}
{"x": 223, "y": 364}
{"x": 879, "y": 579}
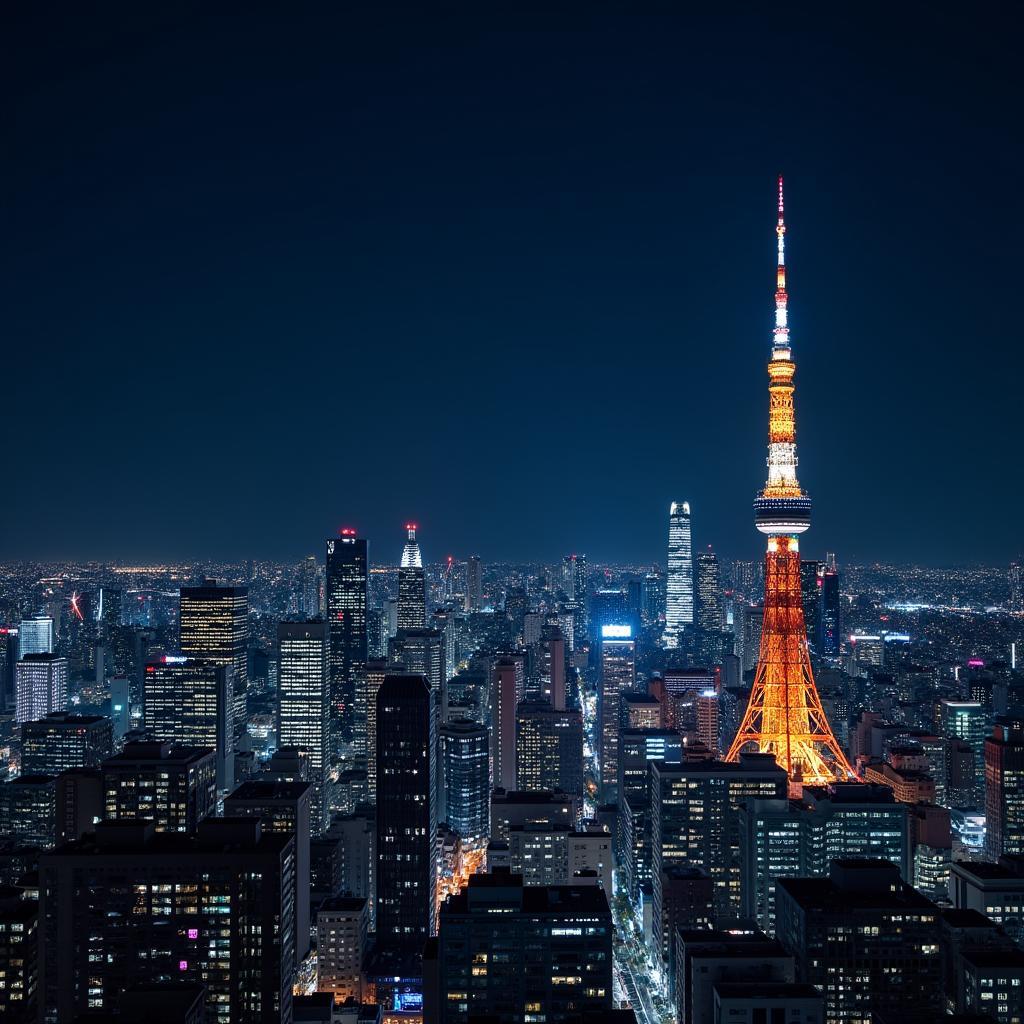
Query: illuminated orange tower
{"x": 784, "y": 716}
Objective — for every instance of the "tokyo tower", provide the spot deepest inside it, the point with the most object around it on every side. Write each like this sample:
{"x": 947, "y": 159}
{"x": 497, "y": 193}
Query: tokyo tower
{"x": 784, "y": 716}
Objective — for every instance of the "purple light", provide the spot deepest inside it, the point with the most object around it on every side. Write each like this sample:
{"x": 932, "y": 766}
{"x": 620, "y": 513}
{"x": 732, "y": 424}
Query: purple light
{"x": 975, "y": 663}
{"x": 182, "y": 965}
{"x": 193, "y": 933}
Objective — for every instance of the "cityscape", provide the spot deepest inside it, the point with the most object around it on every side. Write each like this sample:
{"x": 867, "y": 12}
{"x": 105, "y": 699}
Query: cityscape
{"x": 404, "y": 778}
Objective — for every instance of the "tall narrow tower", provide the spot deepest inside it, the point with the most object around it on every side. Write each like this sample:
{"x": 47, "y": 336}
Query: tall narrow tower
{"x": 784, "y": 716}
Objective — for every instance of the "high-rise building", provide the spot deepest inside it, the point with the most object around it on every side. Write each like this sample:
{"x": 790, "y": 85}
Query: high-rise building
{"x": 1004, "y": 791}
{"x": 412, "y": 586}
{"x": 810, "y": 594}
{"x": 342, "y": 923}
{"x": 968, "y": 721}
{"x": 505, "y": 950}
{"x": 679, "y": 581}
{"x": 710, "y": 613}
{"x": 35, "y": 636}
{"x": 549, "y": 749}
{"x": 346, "y": 583}
{"x": 800, "y": 838}
{"x": 189, "y": 702}
{"x": 370, "y": 680}
{"x": 552, "y": 666}
{"x": 695, "y": 822}
{"x": 63, "y": 741}
{"x": 784, "y": 716}
{"x": 830, "y": 634}
{"x": 28, "y": 810}
{"x": 406, "y": 816}
{"x": 40, "y": 686}
{"x": 283, "y": 807}
{"x": 303, "y": 710}
{"x": 474, "y": 599}
{"x": 466, "y": 806}
{"x": 174, "y": 787}
{"x": 708, "y": 720}
{"x": 866, "y": 939}
{"x": 309, "y": 588}
{"x": 618, "y": 676}
{"x": 19, "y": 957}
{"x": 1016, "y": 581}
{"x": 214, "y": 626}
{"x": 508, "y": 687}
{"x": 211, "y": 908}
{"x": 576, "y": 584}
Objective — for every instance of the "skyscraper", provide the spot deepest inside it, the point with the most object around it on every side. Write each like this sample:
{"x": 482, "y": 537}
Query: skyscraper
{"x": 830, "y": 633}
{"x": 1004, "y": 791}
{"x": 474, "y": 584}
{"x": 575, "y": 583}
{"x": 618, "y": 676}
{"x": 679, "y": 581}
{"x": 412, "y": 585}
{"x": 508, "y": 685}
{"x": 784, "y": 716}
{"x": 467, "y": 786}
{"x": 709, "y": 592}
{"x": 190, "y": 903}
{"x": 214, "y": 626}
{"x": 810, "y": 594}
{"x": 549, "y": 749}
{"x": 1016, "y": 581}
{"x": 35, "y": 636}
{"x": 303, "y": 703}
{"x": 346, "y": 585}
{"x": 406, "y": 816}
{"x": 188, "y": 702}
{"x": 40, "y": 686}
{"x": 60, "y": 742}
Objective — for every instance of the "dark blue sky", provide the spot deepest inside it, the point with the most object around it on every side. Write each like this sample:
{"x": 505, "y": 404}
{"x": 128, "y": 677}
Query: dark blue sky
{"x": 510, "y": 276}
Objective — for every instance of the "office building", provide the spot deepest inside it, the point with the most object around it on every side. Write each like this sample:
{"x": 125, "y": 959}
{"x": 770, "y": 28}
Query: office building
{"x": 62, "y": 741}
{"x": 556, "y": 855}
{"x": 346, "y": 582}
{"x": 1004, "y": 790}
{"x": 695, "y": 813}
{"x": 679, "y": 580}
{"x": 342, "y": 924}
{"x": 466, "y": 792}
{"x": 707, "y": 960}
{"x": 552, "y": 666}
{"x": 993, "y": 889}
{"x": 800, "y": 838}
{"x": 412, "y": 587}
{"x": 710, "y": 614}
{"x": 549, "y": 749}
{"x": 214, "y": 626}
{"x": 28, "y": 811}
{"x": 512, "y": 809}
{"x": 284, "y": 807}
{"x": 35, "y": 636}
{"x": 831, "y": 610}
{"x": 474, "y": 599}
{"x": 79, "y": 803}
{"x": 40, "y": 686}
{"x": 508, "y": 686}
{"x": 189, "y": 702}
{"x": 303, "y": 715}
{"x": 618, "y": 676}
{"x": 173, "y": 786}
{"x": 369, "y": 680}
{"x": 510, "y": 952}
{"x": 641, "y": 711}
{"x": 968, "y": 722}
{"x": 866, "y": 939}
{"x": 637, "y": 749}
{"x": 187, "y": 903}
{"x": 406, "y": 815}
{"x": 576, "y": 584}
{"x": 19, "y": 957}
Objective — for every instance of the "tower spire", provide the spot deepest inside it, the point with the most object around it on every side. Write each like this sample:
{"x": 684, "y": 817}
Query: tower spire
{"x": 784, "y": 715}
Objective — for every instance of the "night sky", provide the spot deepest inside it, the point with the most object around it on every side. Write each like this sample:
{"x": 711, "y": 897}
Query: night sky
{"x": 510, "y": 276}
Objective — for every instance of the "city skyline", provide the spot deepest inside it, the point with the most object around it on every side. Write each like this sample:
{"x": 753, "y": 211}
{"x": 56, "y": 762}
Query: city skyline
{"x": 207, "y": 257}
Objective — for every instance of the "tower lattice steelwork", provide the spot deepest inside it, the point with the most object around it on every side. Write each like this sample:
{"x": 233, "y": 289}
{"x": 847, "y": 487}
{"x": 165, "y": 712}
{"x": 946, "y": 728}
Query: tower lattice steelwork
{"x": 784, "y": 716}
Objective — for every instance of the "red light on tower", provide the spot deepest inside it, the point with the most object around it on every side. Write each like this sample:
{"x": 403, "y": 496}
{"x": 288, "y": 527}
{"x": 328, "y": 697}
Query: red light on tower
{"x": 347, "y": 531}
